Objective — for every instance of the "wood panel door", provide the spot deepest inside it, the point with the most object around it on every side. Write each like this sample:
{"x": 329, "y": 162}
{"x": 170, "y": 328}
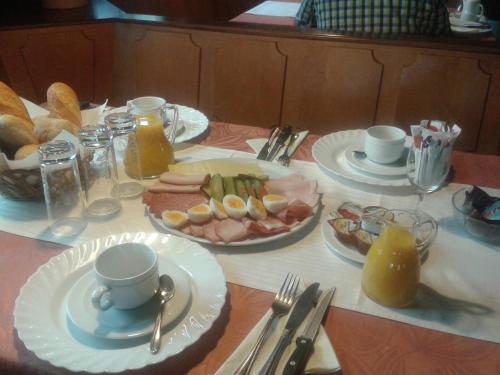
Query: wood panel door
{"x": 80, "y": 57}
{"x": 330, "y": 88}
{"x": 449, "y": 88}
{"x": 168, "y": 65}
{"x": 242, "y": 80}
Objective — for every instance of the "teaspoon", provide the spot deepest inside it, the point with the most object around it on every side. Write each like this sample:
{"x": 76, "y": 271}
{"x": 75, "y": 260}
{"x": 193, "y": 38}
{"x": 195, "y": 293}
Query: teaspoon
{"x": 167, "y": 290}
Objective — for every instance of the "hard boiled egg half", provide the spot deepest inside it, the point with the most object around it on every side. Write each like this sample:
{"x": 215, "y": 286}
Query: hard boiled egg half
{"x": 174, "y": 219}
{"x": 217, "y": 209}
{"x": 274, "y": 203}
{"x": 234, "y": 206}
{"x": 200, "y": 213}
{"x": 256, "y": 209}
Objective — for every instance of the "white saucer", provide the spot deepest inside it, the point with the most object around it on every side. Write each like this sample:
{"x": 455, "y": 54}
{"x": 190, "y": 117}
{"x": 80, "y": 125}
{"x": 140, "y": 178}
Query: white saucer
{"x": 126, "y": 324}
{"x": 364, "y": 164}
{"x": 456, "y": 21}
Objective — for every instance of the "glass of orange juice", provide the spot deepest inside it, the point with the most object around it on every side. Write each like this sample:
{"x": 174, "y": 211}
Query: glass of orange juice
{"x": 392, "y": 268}
{"x": 155, "y": 149}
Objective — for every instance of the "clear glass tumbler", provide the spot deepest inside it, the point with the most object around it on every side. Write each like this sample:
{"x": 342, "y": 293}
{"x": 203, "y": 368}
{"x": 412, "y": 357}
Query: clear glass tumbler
{"x": 127, "y": 154}
{"x": 62, "y": 188}
{"x": 99, "y": 171}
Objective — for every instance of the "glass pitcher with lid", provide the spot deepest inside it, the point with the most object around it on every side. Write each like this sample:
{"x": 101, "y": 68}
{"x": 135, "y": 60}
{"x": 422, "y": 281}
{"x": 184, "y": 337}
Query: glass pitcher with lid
{"x": 155, "y": 146}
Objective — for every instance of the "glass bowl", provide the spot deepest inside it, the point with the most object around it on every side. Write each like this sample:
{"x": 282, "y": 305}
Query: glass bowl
{"x": 477, "y": 228}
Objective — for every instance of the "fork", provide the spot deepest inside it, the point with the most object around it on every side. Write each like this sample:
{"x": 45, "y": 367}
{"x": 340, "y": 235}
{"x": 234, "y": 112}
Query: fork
{"x": 284, "y": 159}
{"x": 281, "y": 306}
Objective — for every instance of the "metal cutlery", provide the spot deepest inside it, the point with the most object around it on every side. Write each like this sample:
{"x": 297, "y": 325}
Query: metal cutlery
{"x": 265, "y": 149}
{"x": 284, "y": 159}
{"x": 298, "y": 314}
{"x": 280, "y": 143}
{"x": 282, "y": 304}
{"x": 167, "y": 290}
{"x": 305, "y": 342}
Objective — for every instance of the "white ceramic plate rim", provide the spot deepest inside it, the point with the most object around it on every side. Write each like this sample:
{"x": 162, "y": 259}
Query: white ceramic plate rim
{"x": 368, "y": 166}
{"x": 273, "y": 171}
{"x": 43, "y": 328}
{"x": 331, "y": 147}
{"x": 194, "y": 122}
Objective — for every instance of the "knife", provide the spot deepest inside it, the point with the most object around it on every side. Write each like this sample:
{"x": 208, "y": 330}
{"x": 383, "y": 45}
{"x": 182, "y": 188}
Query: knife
{"x": 298, "y": 360}
{"x": 265, "y": 149}
{"x": 297, "y": 316}
{"x": 280, "y": 142}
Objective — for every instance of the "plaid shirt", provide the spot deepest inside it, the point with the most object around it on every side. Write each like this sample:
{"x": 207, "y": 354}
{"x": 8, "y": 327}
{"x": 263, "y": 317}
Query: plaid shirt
{"x": 376, "y": 16}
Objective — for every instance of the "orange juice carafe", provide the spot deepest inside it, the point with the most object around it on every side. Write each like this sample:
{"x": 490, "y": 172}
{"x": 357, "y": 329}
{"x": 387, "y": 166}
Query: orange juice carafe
{"x": 155, "y": 149}
{"x": 392, "y": 268}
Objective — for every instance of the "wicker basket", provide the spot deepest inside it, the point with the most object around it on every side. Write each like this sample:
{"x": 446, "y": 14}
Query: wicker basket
{"x": 26, "y": 184}
{"x": 21, "y": 184}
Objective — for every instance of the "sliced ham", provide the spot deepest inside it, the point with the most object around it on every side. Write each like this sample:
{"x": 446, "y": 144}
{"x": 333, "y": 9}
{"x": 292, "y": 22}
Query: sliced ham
{"x": 161, "y": 187}
{"x": 209, "y": 231}
{"x": 177, "y": 179}
{"x": 266, "y": 227}
{"x": 231, "y": 230}
{"x": 186, "y": 230}
{"x": 196, "y": 230}
{"x": 159, "y": 202}
{"x": 295, "y": 189}
{"x": 296, "y": 211}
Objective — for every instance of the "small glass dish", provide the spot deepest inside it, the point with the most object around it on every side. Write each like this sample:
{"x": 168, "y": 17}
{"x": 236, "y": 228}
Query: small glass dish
{"x": 478, "y": 228}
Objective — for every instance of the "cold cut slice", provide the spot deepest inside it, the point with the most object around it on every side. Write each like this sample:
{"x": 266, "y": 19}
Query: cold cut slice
{"x": 178, "y": 179}
{"x": 231, "y": 230}
{"x": 161, "y": 187}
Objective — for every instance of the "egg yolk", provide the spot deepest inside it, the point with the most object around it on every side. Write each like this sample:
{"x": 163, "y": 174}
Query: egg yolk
{"x": 274, "y": 197}
{"x": 199, "y": 208}
{"x": 175, "y": 216}
{"x": 235, "y": 203}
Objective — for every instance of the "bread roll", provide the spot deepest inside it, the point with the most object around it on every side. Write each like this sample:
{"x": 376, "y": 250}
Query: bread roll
{"x": 63, "y": 103}
{"x": 11, "y": 104}
{"x": 14, "y": 133}
{"x": 25, "y": 151}
{"x": 47, "y": 128}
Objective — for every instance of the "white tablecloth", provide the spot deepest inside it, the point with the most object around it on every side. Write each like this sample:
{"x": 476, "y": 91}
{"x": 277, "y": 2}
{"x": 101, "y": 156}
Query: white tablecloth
{"x": 460, "y": 277}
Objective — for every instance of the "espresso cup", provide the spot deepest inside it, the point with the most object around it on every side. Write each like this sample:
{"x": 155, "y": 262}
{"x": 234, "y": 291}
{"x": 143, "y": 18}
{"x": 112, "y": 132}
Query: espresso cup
{"x": 127, "y": 276}
{"x": 471, "y": 10}
{"x": 384, "y": 144}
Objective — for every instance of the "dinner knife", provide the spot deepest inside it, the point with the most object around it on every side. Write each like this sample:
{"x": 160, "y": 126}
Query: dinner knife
{"x": 264, "y": 151}
{"x": 298, "y": 360}
{"x": 280, "y": 143}
{"x": 300, "y": 310}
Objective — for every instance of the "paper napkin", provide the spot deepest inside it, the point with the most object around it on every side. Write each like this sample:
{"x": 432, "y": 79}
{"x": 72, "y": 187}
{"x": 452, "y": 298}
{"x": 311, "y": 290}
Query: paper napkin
{"x": 257, "y": 144}
{"x": 323, "y": 359}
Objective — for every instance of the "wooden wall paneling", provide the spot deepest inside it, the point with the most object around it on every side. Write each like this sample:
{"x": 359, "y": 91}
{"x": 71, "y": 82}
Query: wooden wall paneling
{"x": 102, "y": 38}
{"x": 394, "y": 60}
{"x": 60, "y": 55}
{"x": 242, "y": 79}
{"x": 489, "y": 135}
{"x": 445, "y": 87}
{"x": 125, "y": 62}
{"x": 15, "y": 71}
{"x": 330, "y": 87}
{"x": 168, "y": 65}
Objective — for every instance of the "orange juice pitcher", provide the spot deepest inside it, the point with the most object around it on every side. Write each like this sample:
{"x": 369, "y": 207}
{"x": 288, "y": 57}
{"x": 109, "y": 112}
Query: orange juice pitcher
{"x": 155, "y": 148}
{"x": 392, "y": 268}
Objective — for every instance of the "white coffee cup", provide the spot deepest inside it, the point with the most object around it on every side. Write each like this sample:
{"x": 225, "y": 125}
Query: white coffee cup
{"x": 471, "y": 10}
{"x": 127, "y": 276}
{"x": 384, "y": 144}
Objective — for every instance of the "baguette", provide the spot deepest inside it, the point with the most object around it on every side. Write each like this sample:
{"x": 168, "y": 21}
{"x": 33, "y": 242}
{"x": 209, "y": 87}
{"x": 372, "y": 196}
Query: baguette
{"x": 25, "y": 151}
{"x": 63, "y": 103}
{"x": 14, "y": 133}
{"x": 47, "y": 128}
{"x": 11, "y": 104}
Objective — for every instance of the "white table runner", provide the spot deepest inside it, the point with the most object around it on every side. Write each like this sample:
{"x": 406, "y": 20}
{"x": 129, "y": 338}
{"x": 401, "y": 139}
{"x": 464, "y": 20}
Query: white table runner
{"x": 460, "y": 276}
{"x": 275, "y": 8}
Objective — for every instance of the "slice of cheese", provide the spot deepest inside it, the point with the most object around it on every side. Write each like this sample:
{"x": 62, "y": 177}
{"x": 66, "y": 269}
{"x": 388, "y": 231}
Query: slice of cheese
{"x": 226, "y": 167}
